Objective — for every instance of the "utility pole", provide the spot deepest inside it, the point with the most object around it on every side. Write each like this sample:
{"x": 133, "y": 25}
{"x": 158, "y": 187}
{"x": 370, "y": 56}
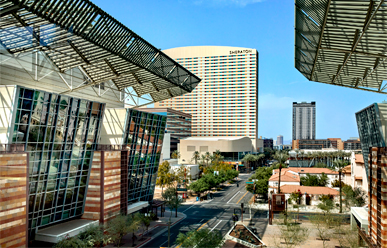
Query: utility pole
{"x": 242, "y": 212}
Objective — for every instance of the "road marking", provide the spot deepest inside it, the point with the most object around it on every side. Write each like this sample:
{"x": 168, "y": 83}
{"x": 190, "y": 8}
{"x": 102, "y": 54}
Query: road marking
{"x": 233, "y": 197}
{"x": 188, "y": 208}
{"x": 242, "y": 197}
{"x": 196, "y": 230}
{"x": 201, "y": 226}
{"x": 215, "y": 225}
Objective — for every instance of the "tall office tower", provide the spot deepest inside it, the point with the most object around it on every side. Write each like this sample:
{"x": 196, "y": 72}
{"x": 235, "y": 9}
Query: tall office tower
{"x": 304, "y": 120}
{"x": 225, "y": 103}
{"x": 280, "y": 140}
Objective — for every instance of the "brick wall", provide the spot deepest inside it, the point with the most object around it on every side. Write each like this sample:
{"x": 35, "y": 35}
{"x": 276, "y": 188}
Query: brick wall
{"x": 377, "y": 193}
{"x": 104, "y": 190}
{"x": 13, "y": 199}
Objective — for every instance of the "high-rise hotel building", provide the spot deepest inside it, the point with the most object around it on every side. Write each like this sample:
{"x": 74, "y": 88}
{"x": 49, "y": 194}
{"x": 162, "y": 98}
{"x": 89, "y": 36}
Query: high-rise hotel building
{"x": 304, "y": 121}
{"x": 225, "y": 103}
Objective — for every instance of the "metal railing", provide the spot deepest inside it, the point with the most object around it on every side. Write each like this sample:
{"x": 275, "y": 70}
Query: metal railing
{"x": 109, "y": 147}
{"x": 5, "y": 148}
{"x": 367, "y": 239}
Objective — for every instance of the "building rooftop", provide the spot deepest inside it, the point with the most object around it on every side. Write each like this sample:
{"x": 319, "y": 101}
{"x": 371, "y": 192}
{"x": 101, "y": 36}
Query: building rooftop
{"x": 347, "y": 169}
{"x": 310, "y": 170}
{"x": 286, "y": 176}
{"x": 359, "y": 158}
{"x": 312, "y": 190}
{"x": 216, "y": 138}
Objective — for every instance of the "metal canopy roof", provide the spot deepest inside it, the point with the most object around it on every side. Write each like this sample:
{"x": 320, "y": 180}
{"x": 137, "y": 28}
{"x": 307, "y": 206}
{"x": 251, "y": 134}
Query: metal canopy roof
{"x": 342, "y": 43}
{"x": 76, "y": 33}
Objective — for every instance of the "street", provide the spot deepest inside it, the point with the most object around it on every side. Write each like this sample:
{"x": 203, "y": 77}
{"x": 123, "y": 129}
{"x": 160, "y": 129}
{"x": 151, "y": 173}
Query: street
{"x": 215, "y": 214}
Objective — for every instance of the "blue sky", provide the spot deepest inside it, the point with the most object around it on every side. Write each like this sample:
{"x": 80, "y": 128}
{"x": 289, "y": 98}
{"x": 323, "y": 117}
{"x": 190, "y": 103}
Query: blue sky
{"x": 266, "y": 25}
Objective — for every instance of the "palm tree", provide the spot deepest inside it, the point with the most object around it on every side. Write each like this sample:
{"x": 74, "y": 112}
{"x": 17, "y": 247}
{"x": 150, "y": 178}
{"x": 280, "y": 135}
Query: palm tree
{"x": 281, "y": 157}
{"x": 175, "y": 154}
{"x": 196, "y": 156}
{"x": 331, "y": 156}
{"x": 260, "y": 157}
{"x": 338, "y": 165}
{"x": 207, "y": 156}
{"x": 248, "y": 158}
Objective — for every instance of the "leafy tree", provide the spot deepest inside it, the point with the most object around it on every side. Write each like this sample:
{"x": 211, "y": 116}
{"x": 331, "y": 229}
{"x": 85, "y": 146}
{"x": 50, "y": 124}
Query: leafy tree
{"x": 164, "y": 176}
{"x": 323, "y": 230}
{"x": 182, "y": 175}
{"x": 268, "y": 152}
{"x": 196, "y": 156}
{"x": 146, "y": 221}
{"x": 338, "y": 165}
{"x": 221, "y": 166}
{"x": 346, "y": 236}
{"x": 94, "y": 236}
{"x": 262, "y": 174}
{"x": 210, "y": 180}
{"x": 121, "y": 225}
{"x": 291, "y": 235}
{"x": 71, "y": 242}
{"x": 171, "y": 199}
{"x": 314, "y": 180}
{"x": 336, "y": 184}
{"x": 296, "y": 196}
{"x": 175, "y": 154}
{"x": 354, "y": 197}
{"x": 200, "y": 238}
{"x": 326, "y": 203}
{"x": 199, "y": 186}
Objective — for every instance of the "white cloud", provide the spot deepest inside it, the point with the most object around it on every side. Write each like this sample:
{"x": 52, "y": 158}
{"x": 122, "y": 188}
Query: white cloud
{"x": 241, "y": 3}
{"x": 271, "y": 102}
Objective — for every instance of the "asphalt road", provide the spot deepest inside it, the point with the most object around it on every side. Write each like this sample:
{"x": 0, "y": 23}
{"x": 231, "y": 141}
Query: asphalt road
{"x": 215, "y": 214}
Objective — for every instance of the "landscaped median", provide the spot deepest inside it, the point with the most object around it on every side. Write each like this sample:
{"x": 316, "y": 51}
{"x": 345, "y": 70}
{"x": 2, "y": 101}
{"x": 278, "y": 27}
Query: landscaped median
{"x": 241, "y": 234}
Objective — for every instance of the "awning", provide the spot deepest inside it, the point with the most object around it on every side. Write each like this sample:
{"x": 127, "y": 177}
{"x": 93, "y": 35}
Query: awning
{"x": 342, "y": 43}
{"x": 78, "y": 34}
{"x": 55, "y": 233}
{"x": 137, "y": 206}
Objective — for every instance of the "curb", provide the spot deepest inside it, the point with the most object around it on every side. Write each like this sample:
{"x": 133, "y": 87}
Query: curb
{"x": 145, "y": 241}
{"x": 159, "y": 233}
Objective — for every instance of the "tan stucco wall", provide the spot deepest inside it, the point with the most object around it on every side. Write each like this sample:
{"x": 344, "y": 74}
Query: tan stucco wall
{"x": 240, "y": 145}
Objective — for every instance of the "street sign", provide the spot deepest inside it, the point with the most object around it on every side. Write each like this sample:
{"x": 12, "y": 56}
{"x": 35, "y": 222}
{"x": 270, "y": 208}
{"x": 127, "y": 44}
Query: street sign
{"x": 181, "y": 189}
{"x": 249, "y": 182}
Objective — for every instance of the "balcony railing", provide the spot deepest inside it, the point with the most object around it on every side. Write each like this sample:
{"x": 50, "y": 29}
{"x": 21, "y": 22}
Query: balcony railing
{"x": 5, "y": 148}
{"x": 108, "y": 147}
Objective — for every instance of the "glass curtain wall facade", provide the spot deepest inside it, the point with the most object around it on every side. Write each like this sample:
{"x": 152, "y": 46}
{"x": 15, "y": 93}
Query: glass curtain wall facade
{"x": 144, "y": 135}
{"x": 369, "y": 124}
{"x": 60, "y": 134}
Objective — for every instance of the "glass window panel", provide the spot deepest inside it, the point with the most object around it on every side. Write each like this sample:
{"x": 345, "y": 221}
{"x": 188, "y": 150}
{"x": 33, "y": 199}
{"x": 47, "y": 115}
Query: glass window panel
{"x": 60, "y": 198}
{"x": 49, "y": 200}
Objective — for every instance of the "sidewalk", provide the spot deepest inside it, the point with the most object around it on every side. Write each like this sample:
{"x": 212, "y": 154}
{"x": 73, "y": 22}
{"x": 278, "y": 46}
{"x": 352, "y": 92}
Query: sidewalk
{"x": 155, "y": 229}
{"x": 303, "y": 208}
